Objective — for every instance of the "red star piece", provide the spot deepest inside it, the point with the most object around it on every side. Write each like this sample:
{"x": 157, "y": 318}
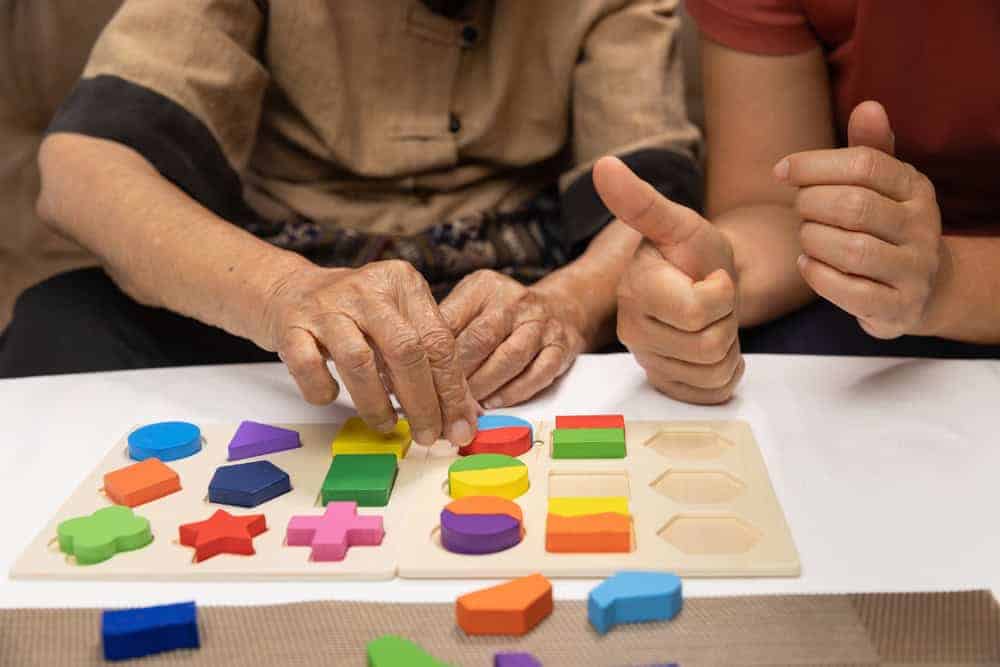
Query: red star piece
{"x": 223, "y": 533}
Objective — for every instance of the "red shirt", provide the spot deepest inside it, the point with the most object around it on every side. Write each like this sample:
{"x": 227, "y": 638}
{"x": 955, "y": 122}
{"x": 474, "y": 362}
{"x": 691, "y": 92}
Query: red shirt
{"x": 935, "y": 66}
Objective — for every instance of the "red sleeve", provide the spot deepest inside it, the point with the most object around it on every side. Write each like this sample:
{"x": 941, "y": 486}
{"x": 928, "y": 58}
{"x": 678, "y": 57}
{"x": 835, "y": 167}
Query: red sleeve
{"x": 765, "y": 27}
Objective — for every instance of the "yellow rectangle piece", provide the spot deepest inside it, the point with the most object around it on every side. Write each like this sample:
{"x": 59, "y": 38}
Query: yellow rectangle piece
{"x": 354, "y": 437}
{"x": 576, "y": 506}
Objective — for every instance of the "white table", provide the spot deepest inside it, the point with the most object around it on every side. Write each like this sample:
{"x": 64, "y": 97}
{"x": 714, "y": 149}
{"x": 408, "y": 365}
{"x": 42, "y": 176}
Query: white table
{"x": 887, "y": 469}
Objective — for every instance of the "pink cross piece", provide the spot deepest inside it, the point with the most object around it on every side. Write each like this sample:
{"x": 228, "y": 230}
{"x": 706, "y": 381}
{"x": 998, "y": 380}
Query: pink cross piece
{"x": 330, "y": 535}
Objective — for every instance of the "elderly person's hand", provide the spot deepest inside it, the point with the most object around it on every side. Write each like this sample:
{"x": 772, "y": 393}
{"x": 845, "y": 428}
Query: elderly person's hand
{"x": 871, "y": 230}
{"x": 377, "y": 320}
{"x": 677, "y": 302}
{"x": 512, "y": 340}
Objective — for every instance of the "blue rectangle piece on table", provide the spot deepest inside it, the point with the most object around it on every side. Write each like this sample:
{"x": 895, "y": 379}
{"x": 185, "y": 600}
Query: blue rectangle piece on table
{"x": 132, "y": 633}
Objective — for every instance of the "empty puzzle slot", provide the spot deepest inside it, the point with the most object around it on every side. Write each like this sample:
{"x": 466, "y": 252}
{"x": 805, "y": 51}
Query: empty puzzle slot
{"x": 588, "y": 485}
{"x": 698, "y": 487}
{"x": 689, "y": 445}
{"x": 721, "y": 534}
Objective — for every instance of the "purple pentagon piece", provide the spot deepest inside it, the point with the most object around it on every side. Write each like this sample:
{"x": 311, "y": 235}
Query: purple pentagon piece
{"x": 478, "y": 533}
{"x": 515, "y": 660}
{"x": 254, "y": 439}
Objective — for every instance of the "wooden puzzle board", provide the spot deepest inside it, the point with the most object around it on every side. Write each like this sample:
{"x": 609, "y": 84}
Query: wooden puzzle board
{"x": 700, "y": 497}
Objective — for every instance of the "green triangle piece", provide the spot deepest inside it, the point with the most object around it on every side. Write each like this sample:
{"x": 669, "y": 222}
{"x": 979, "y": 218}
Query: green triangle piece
{"x": 98, "y": 537}
{"x": 393, "y": 651}
{"x": 588, "y": 443}
{"x": 367, "y": 479}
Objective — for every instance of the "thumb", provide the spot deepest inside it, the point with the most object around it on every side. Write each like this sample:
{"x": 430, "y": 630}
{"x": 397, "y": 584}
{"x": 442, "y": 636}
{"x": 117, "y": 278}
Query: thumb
{"x": 683, "y": 237}
{"x": 869, "y": 126}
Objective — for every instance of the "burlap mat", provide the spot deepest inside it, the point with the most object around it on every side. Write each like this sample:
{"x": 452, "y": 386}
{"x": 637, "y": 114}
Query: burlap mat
{"x": 871, "y": 629}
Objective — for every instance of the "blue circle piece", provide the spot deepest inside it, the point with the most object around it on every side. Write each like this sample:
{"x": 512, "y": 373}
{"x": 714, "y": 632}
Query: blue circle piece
{"x": 487, "y": 422}
{"x": 167, "y": 441}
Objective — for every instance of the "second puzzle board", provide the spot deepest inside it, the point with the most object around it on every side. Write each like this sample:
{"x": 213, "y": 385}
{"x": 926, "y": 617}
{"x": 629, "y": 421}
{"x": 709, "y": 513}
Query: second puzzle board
{"x": 698, "y": 493}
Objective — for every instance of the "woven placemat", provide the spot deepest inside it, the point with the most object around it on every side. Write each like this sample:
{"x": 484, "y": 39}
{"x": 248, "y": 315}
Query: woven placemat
{"x": 895, "y": 629}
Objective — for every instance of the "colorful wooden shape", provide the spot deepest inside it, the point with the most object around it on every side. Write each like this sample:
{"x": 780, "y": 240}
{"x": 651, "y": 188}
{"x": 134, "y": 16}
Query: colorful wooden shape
{"x": 167, "y": 441}
{"x": 500, "y": 434}
{"x": 141, "y": 483}
{"x": 588, "y": 443}
{"x": 393, "y": 651}
{"x": 513, "y": 608}
{"x": 331, "y": 534}
{"x": 582, "y": 506}
{"x": 511, "y": 659}
{"x": 593, "y": 533}
{"x": 133, "y": 633}
{"x": 223, "y": 533}
{"x": 355, "y": 437}
{"x": 590, "y": 421}
{"x": 98, "y": 537}
{"x": 367, "y": 479}
{"x": 481, "y": 525}
{"x": 487, "y": 475}
{"x": 248, "y": 484}
{"x": 634, "y": 597}
{"x": 255, "y": 439}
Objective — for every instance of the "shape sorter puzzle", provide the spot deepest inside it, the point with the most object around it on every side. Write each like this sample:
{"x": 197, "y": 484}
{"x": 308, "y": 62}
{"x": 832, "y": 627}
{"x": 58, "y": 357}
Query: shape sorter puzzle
{"x": 694, "y": 499}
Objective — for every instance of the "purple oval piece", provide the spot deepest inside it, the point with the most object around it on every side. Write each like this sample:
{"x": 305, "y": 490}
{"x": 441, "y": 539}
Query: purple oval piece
{"x": 479, "y": 533}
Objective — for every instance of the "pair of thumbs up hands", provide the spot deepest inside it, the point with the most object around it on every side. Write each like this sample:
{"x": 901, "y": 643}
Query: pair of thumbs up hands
{"x": 871, "y": 244}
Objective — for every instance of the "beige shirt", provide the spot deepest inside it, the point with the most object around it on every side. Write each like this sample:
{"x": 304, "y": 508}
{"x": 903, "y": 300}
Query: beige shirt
{"x": 385, "y": 116}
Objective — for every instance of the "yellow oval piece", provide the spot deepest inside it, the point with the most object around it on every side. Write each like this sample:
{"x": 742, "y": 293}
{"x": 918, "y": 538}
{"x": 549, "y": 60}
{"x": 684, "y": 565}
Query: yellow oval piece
{"x": 354, "y": 437}
{"x": 571, "y": 506}
{"x": 509, "y": 482}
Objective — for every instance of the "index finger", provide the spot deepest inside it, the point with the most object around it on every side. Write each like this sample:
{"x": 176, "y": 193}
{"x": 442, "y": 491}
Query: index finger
{"x": 858, "y": 165}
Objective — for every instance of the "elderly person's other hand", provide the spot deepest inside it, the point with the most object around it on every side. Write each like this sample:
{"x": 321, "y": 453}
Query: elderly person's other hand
{"x": 512, "y": 340}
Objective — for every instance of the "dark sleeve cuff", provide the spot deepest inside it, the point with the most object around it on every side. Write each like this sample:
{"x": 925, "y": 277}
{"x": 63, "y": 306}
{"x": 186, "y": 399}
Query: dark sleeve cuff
{"x": 584, "y": 214}
{"x": 176, "y": 142}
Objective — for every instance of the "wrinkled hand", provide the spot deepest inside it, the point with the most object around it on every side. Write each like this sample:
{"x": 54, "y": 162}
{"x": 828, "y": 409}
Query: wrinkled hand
{"x": 871, "y": 231}
{"x": 677, "y": 302}
{"x": 379, "y": 319}
{"x": 512, "y": 340}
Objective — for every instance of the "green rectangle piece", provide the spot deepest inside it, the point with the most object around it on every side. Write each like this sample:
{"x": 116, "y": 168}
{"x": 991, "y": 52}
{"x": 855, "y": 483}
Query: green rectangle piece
{"x": 588, "y": 443}
{"x": 367, "y": 479}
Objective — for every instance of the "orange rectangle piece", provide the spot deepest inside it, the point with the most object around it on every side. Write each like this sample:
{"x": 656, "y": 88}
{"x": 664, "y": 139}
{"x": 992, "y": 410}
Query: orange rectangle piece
{"x": 141, "y": 483}
{"x": 590, "y": 421}
{"x": 589, "y": 533}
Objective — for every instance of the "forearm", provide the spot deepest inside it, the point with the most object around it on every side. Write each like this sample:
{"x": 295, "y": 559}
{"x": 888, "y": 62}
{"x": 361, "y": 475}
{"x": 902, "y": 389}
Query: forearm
{"x": 588, "y": 286}
{"x": 765, "y": 245}
{"x": 964, "y": 305}
{"x": 160, "y": 246}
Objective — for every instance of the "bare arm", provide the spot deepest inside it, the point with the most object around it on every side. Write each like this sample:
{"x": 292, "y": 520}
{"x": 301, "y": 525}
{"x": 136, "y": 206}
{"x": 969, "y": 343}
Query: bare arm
{"x": 759, "y": 109}
{"x": 166, "y": 250}
{"x": 160, "y": 246}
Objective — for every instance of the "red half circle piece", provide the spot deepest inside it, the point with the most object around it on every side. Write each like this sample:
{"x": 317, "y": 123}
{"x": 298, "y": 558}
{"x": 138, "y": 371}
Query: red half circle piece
{"x": 511, "y": 440}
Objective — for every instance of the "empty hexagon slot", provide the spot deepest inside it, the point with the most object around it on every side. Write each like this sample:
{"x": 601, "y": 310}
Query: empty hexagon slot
{"x": 689, "y": 445}
{"x": 710, "y": 535}
{"x": 698, "y": 487}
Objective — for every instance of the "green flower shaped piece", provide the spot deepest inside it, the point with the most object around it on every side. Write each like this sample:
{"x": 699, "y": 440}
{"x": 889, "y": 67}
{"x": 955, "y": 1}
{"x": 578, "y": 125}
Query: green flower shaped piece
{"x": 98, "y": 537}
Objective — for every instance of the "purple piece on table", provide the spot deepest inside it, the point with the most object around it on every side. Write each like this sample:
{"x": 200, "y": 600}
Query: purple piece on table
{"x": 515, "y": 660}
{"x": 254, "y": 439}
{"x": 479, "y": 533}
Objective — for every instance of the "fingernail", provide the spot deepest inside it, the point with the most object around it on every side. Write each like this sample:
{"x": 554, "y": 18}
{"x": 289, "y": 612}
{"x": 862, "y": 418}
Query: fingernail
{"x": 386, "y": 426}
{"x": 493, "y": 403}
{"x": 781, "y": 170}
{"x": 801, "y": 261}
{"x": 425, "y": 437}
{"x": 460, "y": 433}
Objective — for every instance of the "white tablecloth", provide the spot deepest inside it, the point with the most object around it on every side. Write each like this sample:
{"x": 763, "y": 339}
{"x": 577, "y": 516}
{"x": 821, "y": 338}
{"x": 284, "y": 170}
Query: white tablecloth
{"x": 887, "y": 468}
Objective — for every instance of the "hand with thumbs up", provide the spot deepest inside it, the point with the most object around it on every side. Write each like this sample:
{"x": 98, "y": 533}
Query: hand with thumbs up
{"x": 677, "y": 302}
{"x": 871, "y": 230}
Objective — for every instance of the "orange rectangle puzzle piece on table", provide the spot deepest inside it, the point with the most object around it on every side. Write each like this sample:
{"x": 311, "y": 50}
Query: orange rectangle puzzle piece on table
{"x": 141, "y": 482}
{"x": 608, "y": 532}
{"x": 590, "y": 421}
